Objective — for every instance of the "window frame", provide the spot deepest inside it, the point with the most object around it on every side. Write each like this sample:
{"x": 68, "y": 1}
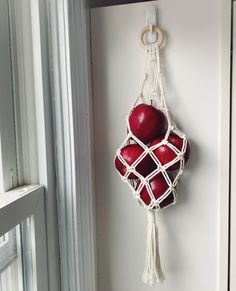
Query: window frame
{"x": 232, "y": 224}
{"x": 8, "y": 250}
{"x": 36, "y": 133}
{"x": 65, "y": 61}
{"x": 17, "y": 205}
{"x": 7, "y": 137}
{"x": 73, "y": 133}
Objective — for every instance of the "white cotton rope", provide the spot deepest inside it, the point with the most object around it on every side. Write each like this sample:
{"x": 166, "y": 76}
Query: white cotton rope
{"x": 152, "y": 92}
{"x": 152, "y": 272}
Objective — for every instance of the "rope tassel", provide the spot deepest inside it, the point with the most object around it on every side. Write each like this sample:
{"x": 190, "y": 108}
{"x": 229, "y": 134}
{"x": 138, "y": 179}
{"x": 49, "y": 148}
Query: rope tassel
{"x": 152, "y": 271}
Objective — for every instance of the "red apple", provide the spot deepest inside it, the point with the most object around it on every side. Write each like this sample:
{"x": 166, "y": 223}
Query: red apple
{"x": 165, "y": 154}
{"x": 167, "y": 201}
{"x": 158, "y": 186}
{"x": 177, "y": 141}
{"x": 146, "y": 122}
{"x": 130, "y": 154}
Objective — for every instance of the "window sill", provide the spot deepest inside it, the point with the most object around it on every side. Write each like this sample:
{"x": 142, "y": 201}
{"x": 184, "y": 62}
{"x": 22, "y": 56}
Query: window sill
{"x": 18, "y": 204}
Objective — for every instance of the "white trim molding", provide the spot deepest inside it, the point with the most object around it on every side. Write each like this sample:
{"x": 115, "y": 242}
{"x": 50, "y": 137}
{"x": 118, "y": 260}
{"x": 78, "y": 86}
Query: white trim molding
{"x": 73, "y": 139}
{"x": 27, "y": 202}
{"x": 225, "y": 8}
{"x": 18, "y": 201}
{"x": 233, "y": 161}
{"x": 8, "y": 169}
{"x": 33, "y": 113}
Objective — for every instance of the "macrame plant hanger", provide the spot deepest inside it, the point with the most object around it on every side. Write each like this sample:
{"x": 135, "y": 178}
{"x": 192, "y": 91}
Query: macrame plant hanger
{"x": 152, "y": 93}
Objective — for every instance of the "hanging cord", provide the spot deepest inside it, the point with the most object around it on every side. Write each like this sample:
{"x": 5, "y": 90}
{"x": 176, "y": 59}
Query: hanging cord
{"x": 153, "y": 93}
{"x": 152, "y": 272}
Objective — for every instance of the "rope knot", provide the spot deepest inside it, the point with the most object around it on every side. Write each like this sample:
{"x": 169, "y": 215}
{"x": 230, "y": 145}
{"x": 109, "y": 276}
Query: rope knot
{"x": 118, "y": 152}
{"x": 151, "y": 216}
{"x": 136, "y": 194}
{"x": 181, "y": 155}
{"x": 131, "y": 169}
{"x": 180, "y": 172}
{"x": 143, "y": 181}
{"x": 147, "y": 150}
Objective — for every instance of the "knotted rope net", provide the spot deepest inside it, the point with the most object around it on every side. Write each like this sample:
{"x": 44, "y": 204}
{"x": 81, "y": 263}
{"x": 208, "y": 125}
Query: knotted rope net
{"x": 152, "y": 93}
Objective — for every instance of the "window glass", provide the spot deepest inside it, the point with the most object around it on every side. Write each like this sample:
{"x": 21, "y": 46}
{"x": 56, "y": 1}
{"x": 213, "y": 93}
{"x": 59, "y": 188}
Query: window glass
{"x": 11, "y": 261}
{"x": 17, "y": 258}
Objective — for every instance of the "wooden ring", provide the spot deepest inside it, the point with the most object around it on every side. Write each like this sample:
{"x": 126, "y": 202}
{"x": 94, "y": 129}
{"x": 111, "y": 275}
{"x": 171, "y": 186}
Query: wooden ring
{"x": 157, "y": 30}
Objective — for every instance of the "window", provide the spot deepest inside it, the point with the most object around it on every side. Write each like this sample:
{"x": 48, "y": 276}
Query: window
{"x": 44, "y": 65}
{"x": 22, "y": 250}
{"x": 24, "y": 165}
{"x": 10, "y": 261}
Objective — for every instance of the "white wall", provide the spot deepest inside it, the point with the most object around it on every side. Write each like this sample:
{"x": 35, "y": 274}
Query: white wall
{"x": 191, "y": 63}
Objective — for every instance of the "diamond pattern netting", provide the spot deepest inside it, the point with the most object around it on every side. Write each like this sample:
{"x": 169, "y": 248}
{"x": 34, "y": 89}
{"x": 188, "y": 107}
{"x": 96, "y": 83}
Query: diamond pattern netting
{"x": 152, "y": 93}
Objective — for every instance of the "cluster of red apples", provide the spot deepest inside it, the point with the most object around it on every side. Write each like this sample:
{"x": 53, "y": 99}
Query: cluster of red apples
{"x": 152, "y": 157}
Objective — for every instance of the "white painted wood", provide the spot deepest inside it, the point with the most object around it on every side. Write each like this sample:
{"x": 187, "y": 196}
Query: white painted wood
{"x": 7, "y": 136}
{"x": 44, "y": 127}
{"x": 64, "y": 152}
{"x": 18, "y": 204}
{"x": 19, "y": 267}
{"x": 15, "y": 206}
{"x": 35, "y": 146}
{"x": 195, "y": 62}
{"x": 81, "y": 88}
{"x": 73, "y": 135}
{"x": 38, "y": 246}
{"x": 24, "y": 91}
{"x": 224, "y": 132}
{"x": 233, "y": 163}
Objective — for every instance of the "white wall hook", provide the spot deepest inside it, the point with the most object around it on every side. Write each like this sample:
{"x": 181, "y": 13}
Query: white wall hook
{"x": 151, "y": 21}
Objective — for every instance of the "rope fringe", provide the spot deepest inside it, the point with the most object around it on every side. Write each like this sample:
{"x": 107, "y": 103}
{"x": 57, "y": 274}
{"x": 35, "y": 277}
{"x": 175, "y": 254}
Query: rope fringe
{"x": 152, "y": 272}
